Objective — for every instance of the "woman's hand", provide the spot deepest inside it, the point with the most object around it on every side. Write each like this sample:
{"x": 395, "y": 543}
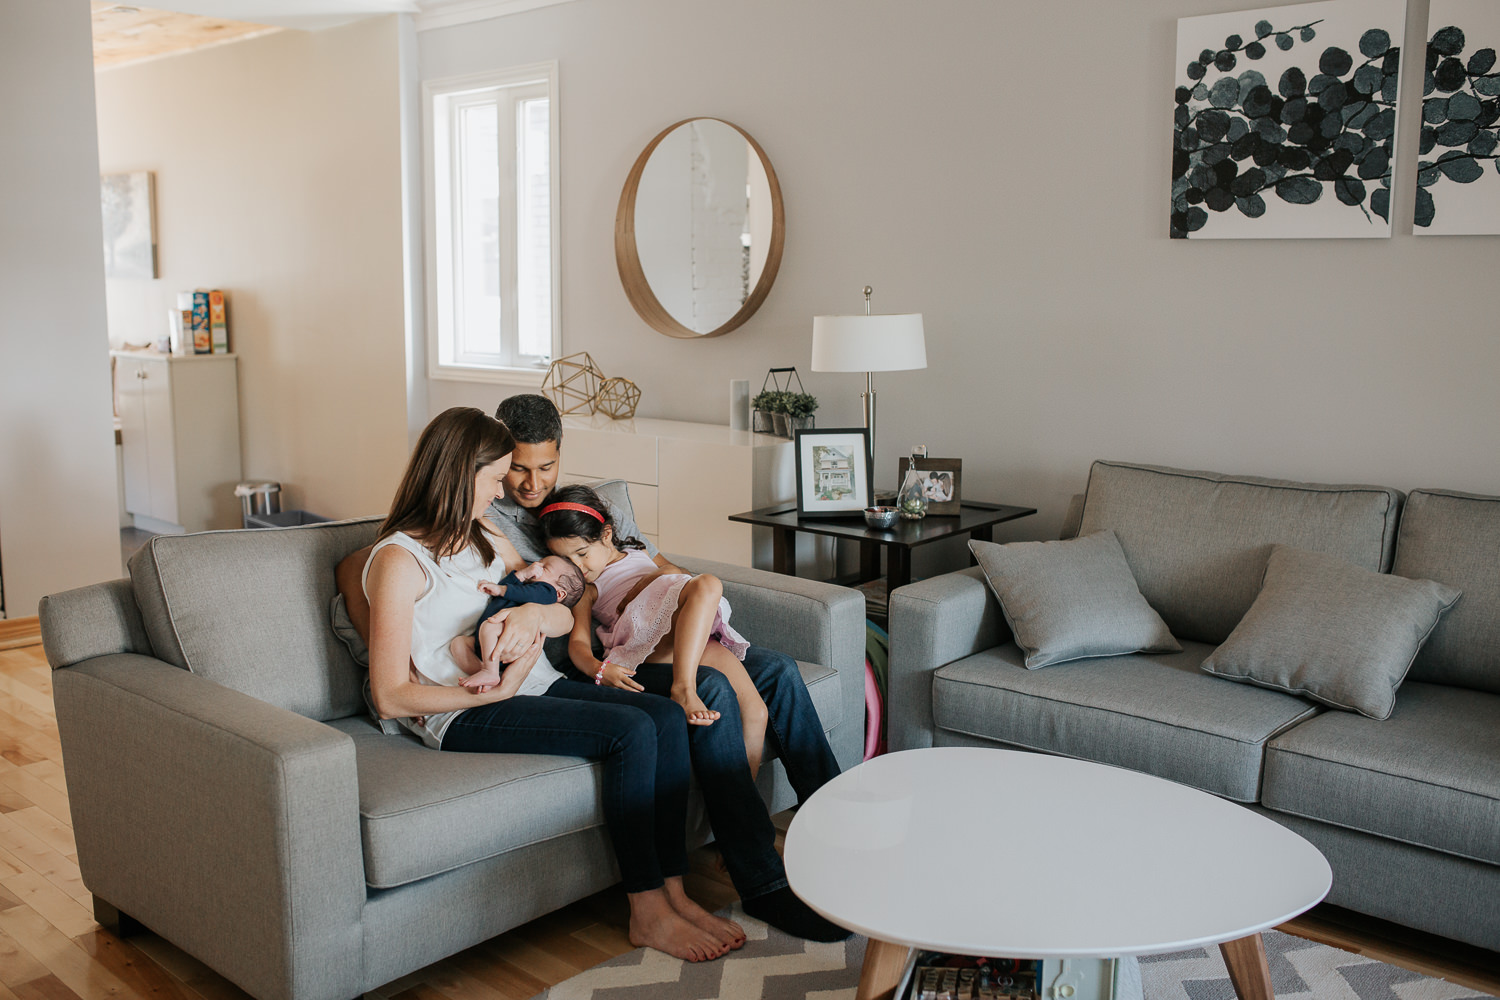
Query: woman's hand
{"x": 614, "y": 675}
{"x": 523, "y": 626}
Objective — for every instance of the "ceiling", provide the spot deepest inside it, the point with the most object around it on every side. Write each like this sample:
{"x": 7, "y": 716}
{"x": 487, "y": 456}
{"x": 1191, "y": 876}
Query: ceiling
{"x": 127, "y": 33}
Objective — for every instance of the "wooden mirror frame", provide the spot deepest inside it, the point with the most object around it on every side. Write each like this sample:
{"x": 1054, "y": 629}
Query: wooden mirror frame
{"x": 633, "y": 278}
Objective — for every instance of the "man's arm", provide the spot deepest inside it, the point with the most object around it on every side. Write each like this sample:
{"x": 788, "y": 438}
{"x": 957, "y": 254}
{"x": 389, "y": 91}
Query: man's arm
{"x": 348, "y": 575}
{"x": 666, "y": 565}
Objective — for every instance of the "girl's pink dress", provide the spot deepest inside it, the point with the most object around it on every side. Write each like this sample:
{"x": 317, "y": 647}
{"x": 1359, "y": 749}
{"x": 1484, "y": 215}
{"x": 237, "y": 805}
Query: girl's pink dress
{"x": 630, "y": 637}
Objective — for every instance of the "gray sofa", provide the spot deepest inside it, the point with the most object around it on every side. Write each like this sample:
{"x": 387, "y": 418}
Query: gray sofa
{"x": 230, "y": 793}
{"x": 1406, "y": 810}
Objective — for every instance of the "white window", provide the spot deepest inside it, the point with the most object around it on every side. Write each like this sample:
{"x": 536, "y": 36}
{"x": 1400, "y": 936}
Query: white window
{"x": 492, "y": 259}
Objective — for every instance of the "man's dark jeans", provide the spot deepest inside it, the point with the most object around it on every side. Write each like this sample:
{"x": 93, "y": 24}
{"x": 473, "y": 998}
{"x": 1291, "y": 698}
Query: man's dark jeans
{"x": 741, "y": 823}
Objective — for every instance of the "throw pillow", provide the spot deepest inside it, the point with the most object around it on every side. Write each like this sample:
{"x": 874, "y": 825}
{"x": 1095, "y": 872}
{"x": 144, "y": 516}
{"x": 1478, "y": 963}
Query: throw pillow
{"x": 345, "y": 630}
{"x": 1339, "y": 634}
{"x": 1073, "y": 599}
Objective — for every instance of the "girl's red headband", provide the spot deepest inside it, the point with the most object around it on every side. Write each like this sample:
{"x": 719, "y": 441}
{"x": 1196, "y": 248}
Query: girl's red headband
{"x": 581, "y": 508}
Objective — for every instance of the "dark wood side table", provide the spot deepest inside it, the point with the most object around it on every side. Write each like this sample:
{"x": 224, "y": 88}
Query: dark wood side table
{"x": 977, "y": 520}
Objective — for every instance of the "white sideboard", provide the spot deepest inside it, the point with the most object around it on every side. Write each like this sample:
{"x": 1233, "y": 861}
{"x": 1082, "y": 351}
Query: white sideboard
{"x": 685, "y": 479}
{"x": 179, "y": 439}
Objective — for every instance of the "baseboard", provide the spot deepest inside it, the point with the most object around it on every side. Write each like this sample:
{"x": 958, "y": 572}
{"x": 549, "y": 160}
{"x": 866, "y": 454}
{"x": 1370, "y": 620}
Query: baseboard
{"x": 18, "y": 632}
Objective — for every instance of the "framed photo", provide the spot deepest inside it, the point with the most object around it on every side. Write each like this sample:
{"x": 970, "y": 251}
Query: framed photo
{"x": 944, "y": 478}
{"x": 833, "y": 472}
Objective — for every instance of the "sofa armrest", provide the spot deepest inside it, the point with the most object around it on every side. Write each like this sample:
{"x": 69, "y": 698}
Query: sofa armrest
{"x": 809, "y": 621}
{"x": 225, "y": 824}
{"x": 933, "y": 622}
{"x": 91, "y": 621}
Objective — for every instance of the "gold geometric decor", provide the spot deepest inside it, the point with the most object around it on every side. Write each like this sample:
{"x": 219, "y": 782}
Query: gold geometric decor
{"x": 573, "y": 382}
{"x": 618, "y": 398}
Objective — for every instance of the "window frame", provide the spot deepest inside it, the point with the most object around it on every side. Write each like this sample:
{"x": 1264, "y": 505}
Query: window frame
{"x": 439, "y": 97}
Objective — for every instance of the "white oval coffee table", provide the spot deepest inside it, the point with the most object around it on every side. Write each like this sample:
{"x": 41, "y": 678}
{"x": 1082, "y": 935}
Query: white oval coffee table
{"x": 1023, "y": 855}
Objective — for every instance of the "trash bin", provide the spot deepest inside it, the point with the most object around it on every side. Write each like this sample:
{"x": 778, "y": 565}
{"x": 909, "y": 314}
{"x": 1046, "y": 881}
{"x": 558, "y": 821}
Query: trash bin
{"x": 258, "y": 500}
{"x": 284, "y": 519}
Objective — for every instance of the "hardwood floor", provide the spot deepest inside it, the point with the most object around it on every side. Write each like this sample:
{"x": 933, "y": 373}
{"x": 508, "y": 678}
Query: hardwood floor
{"x": 52, "y": 949}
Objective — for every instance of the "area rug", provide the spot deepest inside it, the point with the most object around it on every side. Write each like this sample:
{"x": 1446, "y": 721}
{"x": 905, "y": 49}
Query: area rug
{"x": 774, "y": 966}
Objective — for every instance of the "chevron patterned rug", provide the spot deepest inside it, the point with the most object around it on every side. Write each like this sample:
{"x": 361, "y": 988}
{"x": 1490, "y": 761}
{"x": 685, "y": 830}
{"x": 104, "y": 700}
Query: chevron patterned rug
{"x": 773, "y": 966}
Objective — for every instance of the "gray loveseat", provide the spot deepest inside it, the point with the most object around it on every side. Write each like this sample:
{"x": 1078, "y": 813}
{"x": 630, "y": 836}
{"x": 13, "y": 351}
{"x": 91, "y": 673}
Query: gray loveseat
{"x": 229, "y": 791}
{"x": 1406, "y": 810}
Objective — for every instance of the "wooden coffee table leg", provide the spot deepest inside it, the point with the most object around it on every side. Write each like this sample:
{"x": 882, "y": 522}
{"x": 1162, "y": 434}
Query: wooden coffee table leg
{"x": 881, "y": 973}
{"x": 1248, "y": 970}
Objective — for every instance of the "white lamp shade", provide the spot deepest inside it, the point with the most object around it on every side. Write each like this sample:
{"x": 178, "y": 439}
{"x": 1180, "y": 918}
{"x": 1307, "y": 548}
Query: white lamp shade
{"x": 868, "y": 343}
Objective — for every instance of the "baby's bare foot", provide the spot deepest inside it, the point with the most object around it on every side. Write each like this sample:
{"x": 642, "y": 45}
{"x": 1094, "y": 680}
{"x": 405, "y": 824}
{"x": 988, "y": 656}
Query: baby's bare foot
{"x": 728, "y": 933}
{"x": 488, "y": 677}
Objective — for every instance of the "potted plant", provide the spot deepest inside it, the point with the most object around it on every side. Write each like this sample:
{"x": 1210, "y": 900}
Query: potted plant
{"x": 799, "y": 408}
{"x": 767, "y": 404}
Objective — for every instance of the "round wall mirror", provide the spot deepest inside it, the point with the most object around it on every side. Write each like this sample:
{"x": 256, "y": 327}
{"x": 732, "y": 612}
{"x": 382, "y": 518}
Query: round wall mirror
{"x": 700, "y": 228}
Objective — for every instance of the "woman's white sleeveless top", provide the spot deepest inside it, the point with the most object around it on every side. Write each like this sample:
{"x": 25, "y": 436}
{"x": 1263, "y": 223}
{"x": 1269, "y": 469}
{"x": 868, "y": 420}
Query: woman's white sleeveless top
{"x": 449, "y": 605}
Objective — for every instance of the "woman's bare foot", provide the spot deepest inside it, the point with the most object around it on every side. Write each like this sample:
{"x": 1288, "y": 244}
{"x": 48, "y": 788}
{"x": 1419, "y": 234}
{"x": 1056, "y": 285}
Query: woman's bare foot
{"x": 655, "y": 924}
{"x": 698, "y": 714}
{"x": 728, "y": 933}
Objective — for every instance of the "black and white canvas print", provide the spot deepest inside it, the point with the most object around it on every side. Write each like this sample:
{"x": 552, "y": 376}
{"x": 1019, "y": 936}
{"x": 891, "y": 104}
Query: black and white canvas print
{"x": 1458, "y": 167}
{"x": 129, "y": 225}
{"x": 1285, "y": 121}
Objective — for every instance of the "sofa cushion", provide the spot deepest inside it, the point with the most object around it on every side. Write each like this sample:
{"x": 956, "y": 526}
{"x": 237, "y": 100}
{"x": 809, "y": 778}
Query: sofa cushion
{"x": 1072, "y": 599}
{"x": 1454, "y": 538}
{"x": 1426, "y": 776}
{"x": 1340, "y": 635}
{"x": 423, "y": 811}
{"x": 1197, "y": 542}
{"x": 1156, "y": 713}
{"x": 249, "y": 610}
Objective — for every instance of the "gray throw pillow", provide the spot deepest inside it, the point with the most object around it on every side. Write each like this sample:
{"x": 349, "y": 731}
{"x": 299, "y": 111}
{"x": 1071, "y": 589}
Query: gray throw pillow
{"x": 345, "y": 630}
{"x": 1330, "y": 630}
{"x": 1072, "y": 599}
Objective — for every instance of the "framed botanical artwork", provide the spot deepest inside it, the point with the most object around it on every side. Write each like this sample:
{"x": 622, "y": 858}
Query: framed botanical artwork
{"x": 129, "y": 210}
{"x": 1458, "y": 162}
{"x": 943, "y": 478}
{"x": 833, "y": 472}
{"x": 1286, "y": 119}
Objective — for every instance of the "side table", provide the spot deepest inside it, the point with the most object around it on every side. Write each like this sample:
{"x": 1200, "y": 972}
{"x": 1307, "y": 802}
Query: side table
{"x": 977, "y": 520}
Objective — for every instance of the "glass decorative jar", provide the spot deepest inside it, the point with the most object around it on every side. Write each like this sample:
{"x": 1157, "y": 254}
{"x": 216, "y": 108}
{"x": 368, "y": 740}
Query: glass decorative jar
{"x": 911, "y": 499}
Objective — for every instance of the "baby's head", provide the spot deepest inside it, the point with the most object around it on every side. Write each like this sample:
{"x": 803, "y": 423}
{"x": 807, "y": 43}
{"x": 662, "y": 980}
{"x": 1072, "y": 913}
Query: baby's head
{"x": 563, "y": 575}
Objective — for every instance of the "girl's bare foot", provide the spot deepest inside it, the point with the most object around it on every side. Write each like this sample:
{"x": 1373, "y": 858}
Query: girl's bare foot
{"x": 655, "y": 924}
{"x": 728, "y": 933}
{"x": 698, "y": 714}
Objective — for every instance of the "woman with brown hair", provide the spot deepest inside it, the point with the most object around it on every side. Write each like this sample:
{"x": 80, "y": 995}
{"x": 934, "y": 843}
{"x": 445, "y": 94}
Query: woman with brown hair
{"x": 422, "y": 580}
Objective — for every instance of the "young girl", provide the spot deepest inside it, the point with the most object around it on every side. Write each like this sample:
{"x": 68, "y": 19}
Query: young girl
{"x": 675, "y": 618}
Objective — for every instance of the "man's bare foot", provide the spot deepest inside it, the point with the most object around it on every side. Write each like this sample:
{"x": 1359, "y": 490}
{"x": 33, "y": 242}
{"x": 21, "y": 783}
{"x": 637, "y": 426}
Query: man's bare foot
{"x": 728, "y": 933}
{"x": 698, "y": 714}
{"x": 655, "y": 924}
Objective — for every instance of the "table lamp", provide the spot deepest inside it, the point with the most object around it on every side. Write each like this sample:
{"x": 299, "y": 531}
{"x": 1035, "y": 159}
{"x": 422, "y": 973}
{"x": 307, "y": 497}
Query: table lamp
{"x": 868, "y": 344}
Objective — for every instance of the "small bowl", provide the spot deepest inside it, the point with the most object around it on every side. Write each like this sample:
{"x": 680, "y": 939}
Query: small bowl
{"x": 881, "y": 518}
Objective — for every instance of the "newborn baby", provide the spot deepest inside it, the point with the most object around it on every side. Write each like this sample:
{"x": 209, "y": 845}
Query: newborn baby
{"x": 549, "y": 580}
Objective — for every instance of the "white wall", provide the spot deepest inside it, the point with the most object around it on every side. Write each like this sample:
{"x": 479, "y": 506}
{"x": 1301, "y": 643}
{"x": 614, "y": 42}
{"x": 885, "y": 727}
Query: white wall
{"x": 57, "y": 467}
{"x": 278, "y": 179}
{"x": 1003, "y": 168}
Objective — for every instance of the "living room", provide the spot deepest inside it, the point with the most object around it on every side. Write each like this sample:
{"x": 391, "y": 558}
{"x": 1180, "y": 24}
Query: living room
{"x": 932, "y": 151}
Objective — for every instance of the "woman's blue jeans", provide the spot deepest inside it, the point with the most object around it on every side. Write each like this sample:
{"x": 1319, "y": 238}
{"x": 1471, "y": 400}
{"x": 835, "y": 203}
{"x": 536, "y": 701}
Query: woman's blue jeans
{"x": 741, "y": 824}
{"x": 642, "y": 741}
